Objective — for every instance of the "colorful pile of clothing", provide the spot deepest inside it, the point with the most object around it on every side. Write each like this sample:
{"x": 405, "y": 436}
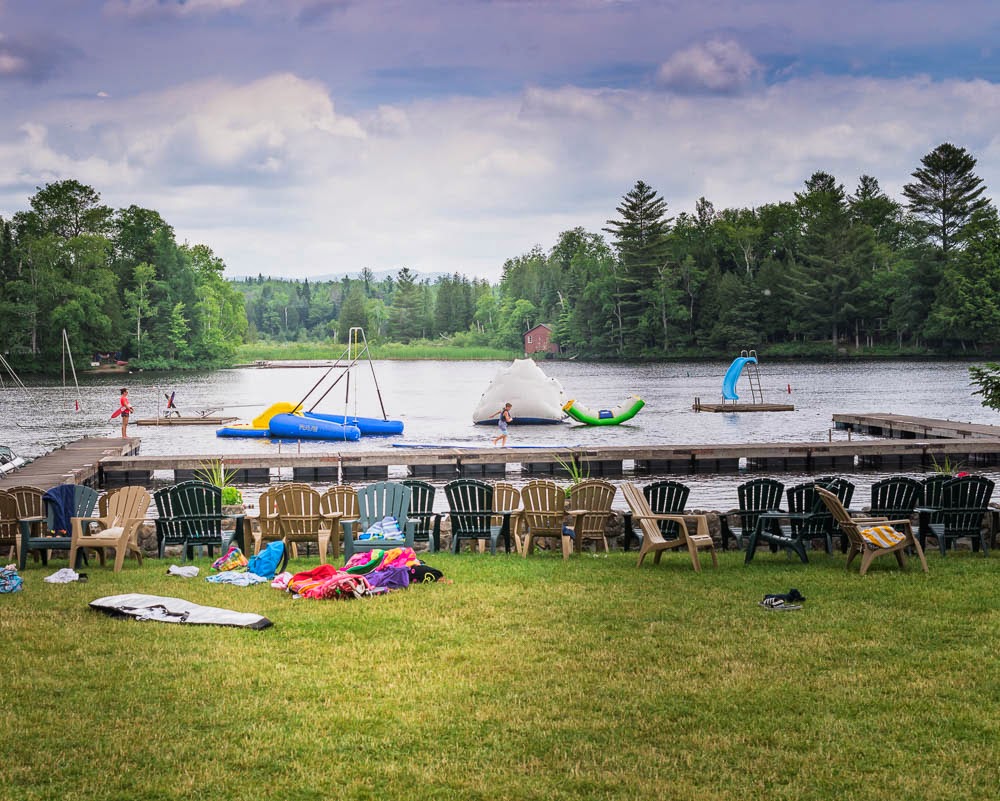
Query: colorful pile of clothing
{"x": 365, "y": 574}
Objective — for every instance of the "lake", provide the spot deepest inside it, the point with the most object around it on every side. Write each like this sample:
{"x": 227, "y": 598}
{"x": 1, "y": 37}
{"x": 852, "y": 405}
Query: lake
{"x": 435, "y": 400}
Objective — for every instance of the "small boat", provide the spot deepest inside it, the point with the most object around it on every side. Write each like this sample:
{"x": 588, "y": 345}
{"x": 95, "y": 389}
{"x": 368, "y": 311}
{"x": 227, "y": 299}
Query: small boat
{"x": 10, "y": 461}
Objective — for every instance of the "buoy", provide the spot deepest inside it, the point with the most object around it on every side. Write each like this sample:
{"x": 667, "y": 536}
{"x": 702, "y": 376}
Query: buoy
{"x": 789, "y": 389}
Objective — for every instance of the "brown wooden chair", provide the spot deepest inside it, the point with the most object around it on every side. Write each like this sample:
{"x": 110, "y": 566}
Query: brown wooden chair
{"x": 852, "y": 528}
{"x": 268, "y": 527}
{"x": 120, "y": 513}
{"x": 590, "y": 509}
{"x": 300, "y": 519}
{"x": 10, "y": 535}
{"x": 653, "y": 540}
{"x": 544, "y": 515}
{"x": 342, "y": 500}
{"x": 507, "y": 500}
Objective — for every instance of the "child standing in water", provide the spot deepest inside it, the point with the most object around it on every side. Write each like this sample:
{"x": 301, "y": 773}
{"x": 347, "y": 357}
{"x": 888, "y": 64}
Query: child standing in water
{"x": 505, "y": 418}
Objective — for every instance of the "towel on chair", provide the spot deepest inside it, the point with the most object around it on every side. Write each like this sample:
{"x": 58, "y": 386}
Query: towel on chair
{"x": 882, "y": 536}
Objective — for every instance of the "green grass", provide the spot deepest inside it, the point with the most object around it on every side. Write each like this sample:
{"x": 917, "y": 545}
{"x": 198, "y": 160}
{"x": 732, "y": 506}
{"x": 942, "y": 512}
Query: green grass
{"x": 522, "y": 679}
{"x": 391, "y": 350}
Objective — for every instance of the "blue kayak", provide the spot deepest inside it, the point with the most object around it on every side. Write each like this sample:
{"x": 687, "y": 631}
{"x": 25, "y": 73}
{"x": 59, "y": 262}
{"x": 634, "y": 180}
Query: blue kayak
{"x": 369, "y": 426}
{"x": 294, "y": 426}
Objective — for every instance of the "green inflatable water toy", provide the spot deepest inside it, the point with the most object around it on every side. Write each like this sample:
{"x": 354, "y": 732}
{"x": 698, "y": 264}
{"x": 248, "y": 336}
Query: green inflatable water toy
{"x": 625, "y": 410}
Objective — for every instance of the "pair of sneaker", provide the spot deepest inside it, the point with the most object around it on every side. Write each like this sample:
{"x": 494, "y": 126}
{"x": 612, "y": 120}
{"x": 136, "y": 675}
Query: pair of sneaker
{"x": 784, "y": 601}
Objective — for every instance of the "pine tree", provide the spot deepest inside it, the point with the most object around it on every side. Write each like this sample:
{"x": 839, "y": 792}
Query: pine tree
{"x": 946, "y": 194}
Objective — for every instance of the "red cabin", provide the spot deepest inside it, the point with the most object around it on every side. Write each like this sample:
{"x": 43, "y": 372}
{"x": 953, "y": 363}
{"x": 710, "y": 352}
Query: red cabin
{"x": 539, "y": 340}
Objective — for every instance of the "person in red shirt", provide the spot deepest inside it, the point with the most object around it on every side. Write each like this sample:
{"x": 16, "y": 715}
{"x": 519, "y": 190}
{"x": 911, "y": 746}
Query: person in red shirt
{"x": 125, "y": 410}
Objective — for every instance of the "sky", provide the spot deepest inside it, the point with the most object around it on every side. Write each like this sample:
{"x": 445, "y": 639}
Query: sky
{"x": 317, "y": 137}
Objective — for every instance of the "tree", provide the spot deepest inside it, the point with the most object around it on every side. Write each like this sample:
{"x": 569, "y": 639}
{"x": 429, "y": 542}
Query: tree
{"x": 987, "y": 378}
{"x": 946, "y": 193}
{"x": 645, "y": 291}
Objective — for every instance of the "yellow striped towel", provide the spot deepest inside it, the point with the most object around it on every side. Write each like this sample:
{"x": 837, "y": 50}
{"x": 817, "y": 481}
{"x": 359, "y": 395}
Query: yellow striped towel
{"x": 882, "y": 536}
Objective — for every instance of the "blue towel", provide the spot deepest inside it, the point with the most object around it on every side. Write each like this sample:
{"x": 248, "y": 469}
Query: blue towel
{"x": 60, "y": 503}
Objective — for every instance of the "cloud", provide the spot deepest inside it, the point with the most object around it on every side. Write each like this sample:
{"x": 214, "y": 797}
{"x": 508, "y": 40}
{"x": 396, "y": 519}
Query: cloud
{"x": 715, "y": 67}
{"x": 276, "y": 180}
{"x": 145, "y": 9}
{"x": 34, "y": 60}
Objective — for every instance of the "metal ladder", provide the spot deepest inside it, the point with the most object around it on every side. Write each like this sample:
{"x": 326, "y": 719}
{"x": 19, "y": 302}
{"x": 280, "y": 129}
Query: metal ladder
{"x": 753, "y": 376}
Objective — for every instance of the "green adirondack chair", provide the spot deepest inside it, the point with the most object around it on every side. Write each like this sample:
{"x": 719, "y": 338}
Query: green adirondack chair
{"x": 375, "y": 502}
{"x": 190, "y": 514}
{"x": 964, "y": 503}
{"x": 471, "y": 515}
{"x": 755, "y": 497}
{"x": 74, "y": 500}
{"x": 427, "y": 522}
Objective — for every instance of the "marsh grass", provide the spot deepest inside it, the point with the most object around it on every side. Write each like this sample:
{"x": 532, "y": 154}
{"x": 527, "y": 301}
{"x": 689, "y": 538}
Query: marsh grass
{"x": 523, "y": 679}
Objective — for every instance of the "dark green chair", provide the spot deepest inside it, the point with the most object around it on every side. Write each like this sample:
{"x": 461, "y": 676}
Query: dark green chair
{"x": 427, "y": 522}
{"x": 965, "y": 501}
{"x": 667, "y": 498}
{"x": 471, "y": 512}
{"x": 190, "y": 514}
{"x": 755, "y": 496}
{"x": 895, "y": 497}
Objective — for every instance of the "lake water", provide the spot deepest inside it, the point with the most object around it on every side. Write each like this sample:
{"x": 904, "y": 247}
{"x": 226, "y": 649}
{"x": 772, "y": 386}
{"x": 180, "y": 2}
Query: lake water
{"x": 436, "y": 399}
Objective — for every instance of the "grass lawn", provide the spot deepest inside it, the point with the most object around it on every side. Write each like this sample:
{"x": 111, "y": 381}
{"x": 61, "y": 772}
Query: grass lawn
{"x": 523, "y": 679}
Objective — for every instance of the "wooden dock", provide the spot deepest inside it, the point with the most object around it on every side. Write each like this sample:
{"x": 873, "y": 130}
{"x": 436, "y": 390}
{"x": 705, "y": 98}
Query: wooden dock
{"x": 447, "y": 463}
{"x": 107, "y": 462}
{"x": 206, "y": 420}
{"x": 901, "y": 426}
{"x": 698, "y": 406}
{"x": 77, "y": 462}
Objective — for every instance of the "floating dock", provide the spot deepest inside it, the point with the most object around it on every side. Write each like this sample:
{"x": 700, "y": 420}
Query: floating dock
{"x": 901, "y": 426}
{"x": 698, "y": 406}
{"x": 207, "y": 420}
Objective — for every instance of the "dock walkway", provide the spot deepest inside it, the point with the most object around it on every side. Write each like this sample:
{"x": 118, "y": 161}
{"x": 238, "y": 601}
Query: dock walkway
{"x": 107, "y": 462}
{"x": 77, "y": 462}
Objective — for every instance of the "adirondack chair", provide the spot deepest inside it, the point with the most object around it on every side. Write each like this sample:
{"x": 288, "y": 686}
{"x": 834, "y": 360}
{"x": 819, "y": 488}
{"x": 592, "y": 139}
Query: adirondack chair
{"x": 299, "y": 518}
{"x": 33, "y": 521}
{"x": 844, "y": 490}
{"x": 931, "y": 500}
{"x": 507, "y": 502}
{"x": 755, "y": 496}
{"x": 544, "y": 515}
{"x": 120, "y": 513}
{"x": 807, "y": 517}
{"x": 870, "y": 547}
{"x": 376, "y": 501}
{"x": 895, "y": 497}
{"x": 471, "y": 513}
{"x": 590, "y": 509}
{"x": 964, "y": 503}
{"x": 268, "y": 527}
{"x": 427, "y": 522}
{"x": 667, "y": 498}
{"x": 60, "y": 505}
{"x": 9, "y": 529}
{"x": 190, "y": 514}
{"x": 339, "y": 504}
{"x": 653, "y": 540}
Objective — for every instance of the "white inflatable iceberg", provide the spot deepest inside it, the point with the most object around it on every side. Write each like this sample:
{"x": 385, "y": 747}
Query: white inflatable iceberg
{"x": 535, "y": 397}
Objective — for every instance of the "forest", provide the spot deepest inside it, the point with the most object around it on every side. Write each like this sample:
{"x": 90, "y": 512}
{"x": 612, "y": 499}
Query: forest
{"x": 828, "y": 272}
